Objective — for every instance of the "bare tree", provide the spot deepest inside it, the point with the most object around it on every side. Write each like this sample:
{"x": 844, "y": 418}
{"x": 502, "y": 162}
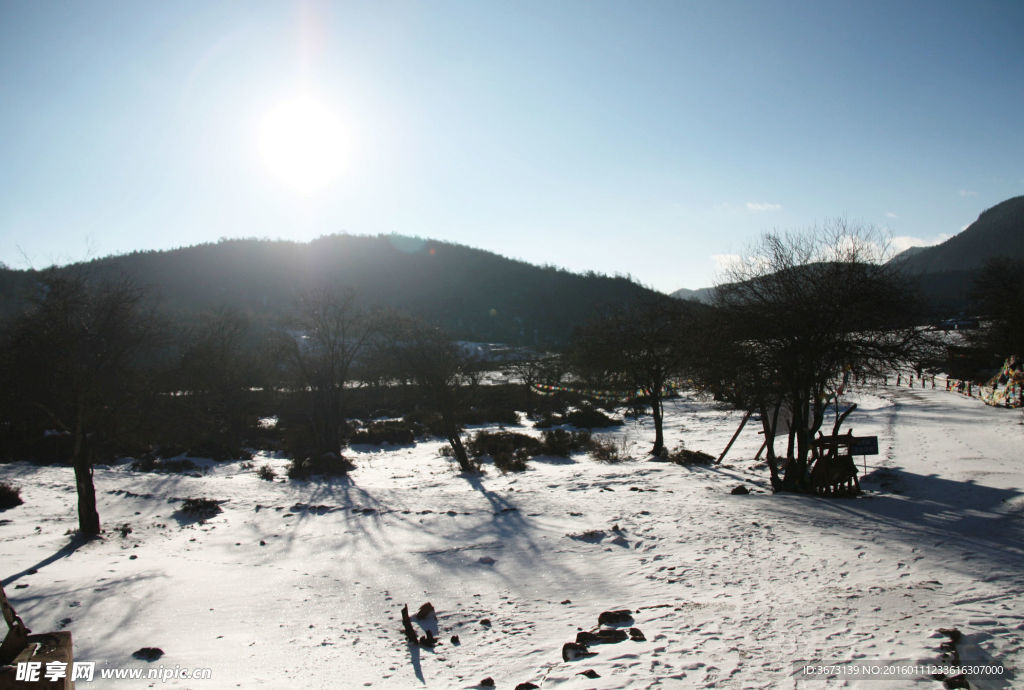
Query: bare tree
{"x": 641, "y": 347}
{"x": 441, "y": 370}
{"x": 798, "y": 314}
{"x": 531, "y": 371}
{"x": 216, "y": 368}
{"x": 333, "y": 330}
{"x": 72, "y": 356}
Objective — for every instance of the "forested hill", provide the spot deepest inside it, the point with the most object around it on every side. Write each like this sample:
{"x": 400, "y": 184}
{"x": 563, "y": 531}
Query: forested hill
{"x": 946, "y": 273}
{"x": 997, "y": 233}
{"x": 473, "y": 293}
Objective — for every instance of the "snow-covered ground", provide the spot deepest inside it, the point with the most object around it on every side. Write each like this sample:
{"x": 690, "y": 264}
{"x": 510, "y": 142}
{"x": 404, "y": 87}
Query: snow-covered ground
{"x": 300, "y": 584}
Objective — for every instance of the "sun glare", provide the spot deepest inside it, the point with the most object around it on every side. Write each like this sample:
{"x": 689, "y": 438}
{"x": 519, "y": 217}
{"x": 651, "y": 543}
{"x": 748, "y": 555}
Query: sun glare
{"x": 302, "y": 143}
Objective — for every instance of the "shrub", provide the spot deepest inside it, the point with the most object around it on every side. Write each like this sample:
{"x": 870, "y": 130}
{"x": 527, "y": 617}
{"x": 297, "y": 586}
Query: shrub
{"x": 328, "y": 465}
{"x": 682, "y": 456}
{"x": 429, "y": 422}
{"x": 590, "y": 418}
{"x": 604, "y": 451}
{"x": 548, "y": 420}
{"x": 511, "y": 462}
{"x": 494, "y": 443}
{"x": 266, "y": 472}
{"x": 10, "y": 496}
{"x": 563, "y": 443}
{"x": 200, "y": 508}
{"x": 395, "y": 432}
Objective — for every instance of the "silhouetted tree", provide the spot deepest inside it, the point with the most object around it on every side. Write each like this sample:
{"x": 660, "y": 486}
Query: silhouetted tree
{"x": 72, "y": 355}
{"x": 640, "y": 347}
{"x": 530, "y": 371}
{"x": 441, "y": 370}
{"x": 999, "y": 293}
{"x": 797, "y": 314}
{"x": 215, "y": 369}
{"x": 331, "y": 332}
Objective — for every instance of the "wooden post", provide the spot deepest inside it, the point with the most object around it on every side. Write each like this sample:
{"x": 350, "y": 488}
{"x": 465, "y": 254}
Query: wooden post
{"x": 733, "y": 439}
{"x": 410, "y": 632}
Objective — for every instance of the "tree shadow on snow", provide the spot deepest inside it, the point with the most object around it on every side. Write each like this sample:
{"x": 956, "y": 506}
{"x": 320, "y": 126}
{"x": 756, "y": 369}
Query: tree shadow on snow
{"x": 45, "y": 609}
{"x": 511, "y": 531}
{"x": 73, "y": 545}
{"x": 966, "y": 522}
{"x": 360, "y": 510}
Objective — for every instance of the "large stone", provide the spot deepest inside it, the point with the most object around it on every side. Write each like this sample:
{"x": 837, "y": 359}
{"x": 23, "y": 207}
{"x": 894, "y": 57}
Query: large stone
{"x": 575, "y": 650}
{"x": 611, "y": 635}
{"x": 148, "y": 653}
{"x": 619, "y": 617}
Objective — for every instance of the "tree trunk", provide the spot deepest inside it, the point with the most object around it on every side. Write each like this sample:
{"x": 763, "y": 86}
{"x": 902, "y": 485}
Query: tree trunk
{"x": 658, "y": 413}
{"x": 769, "y": 428}
{"x": 796, "y": 478}
{"x": 88, "y": 516}
{"x": 460, "y": 454}
{"x": 451, "y": 431}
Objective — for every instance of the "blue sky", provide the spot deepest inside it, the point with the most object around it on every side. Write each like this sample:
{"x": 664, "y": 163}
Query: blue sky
{"x": 641, "y": 138}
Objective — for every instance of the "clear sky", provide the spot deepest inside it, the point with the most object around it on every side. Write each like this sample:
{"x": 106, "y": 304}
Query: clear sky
{"x": 643, "y": 138}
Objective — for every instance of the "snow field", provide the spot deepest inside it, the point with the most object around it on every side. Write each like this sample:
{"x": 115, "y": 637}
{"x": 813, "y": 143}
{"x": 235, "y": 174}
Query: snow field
{"x": 300, "y": 584}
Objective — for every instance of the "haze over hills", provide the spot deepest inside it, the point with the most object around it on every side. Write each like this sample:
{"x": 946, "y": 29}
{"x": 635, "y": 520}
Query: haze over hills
{"x": 473, "y": 293}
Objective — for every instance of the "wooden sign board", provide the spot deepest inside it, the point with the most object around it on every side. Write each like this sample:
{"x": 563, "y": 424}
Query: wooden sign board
{"x": 864, "y": 445}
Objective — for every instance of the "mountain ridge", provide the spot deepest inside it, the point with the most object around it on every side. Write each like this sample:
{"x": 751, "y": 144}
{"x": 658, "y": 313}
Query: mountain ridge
{"x": 943, "y": 274}
{"x": 997, "y": 232}
{"x": 473, "y": 293}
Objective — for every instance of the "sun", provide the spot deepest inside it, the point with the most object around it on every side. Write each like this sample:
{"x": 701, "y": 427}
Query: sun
{"x": 302, "y": 143}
